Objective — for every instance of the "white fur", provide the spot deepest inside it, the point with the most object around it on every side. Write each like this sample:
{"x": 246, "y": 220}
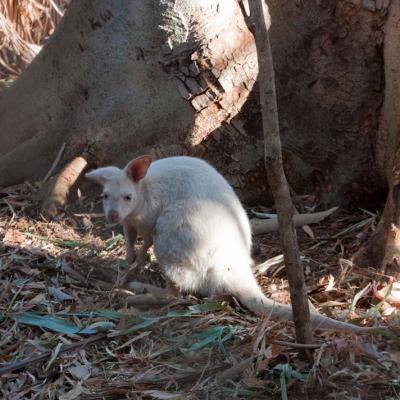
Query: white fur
{"x": 201, "y": 233}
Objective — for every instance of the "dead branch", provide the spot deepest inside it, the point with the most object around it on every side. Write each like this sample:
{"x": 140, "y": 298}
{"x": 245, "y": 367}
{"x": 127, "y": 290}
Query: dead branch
{"x": 259, "y": 226}
{"x": 276, "y": 176}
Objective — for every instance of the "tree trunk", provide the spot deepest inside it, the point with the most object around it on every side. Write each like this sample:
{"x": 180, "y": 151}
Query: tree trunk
{"x": 118, "y": 78}
{"x": 383, "y": 248}
{"x": 276, "y": 175}
{"x": 174, "y": 77}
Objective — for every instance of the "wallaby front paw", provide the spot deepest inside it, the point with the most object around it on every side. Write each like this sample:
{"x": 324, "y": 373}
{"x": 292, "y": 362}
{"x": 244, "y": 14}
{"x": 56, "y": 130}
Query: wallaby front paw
{"x": 131, "y": 257}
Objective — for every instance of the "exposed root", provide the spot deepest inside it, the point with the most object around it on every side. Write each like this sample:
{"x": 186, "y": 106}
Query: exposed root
{"x": 260, "y": 226}
{"x": 61, "y": 185}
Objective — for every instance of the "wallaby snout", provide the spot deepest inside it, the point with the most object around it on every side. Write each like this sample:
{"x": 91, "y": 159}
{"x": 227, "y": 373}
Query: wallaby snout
{"x": 113, "y": 217}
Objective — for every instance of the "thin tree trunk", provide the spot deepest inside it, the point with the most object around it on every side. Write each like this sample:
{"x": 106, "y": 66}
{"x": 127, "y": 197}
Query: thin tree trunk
{"x": 276, "y": 176}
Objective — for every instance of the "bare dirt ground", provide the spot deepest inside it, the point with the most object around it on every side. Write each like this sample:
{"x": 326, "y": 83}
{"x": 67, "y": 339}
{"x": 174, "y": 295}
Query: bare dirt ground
{"x": 67, "y": 332}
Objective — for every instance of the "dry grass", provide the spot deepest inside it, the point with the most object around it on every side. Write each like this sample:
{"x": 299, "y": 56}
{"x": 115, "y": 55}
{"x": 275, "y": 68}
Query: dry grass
{"x": 187, "y": 349}
{"x": 24, "y": 26}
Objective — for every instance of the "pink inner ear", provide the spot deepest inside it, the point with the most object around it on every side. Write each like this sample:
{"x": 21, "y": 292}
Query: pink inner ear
{"x": 137, "y": 168}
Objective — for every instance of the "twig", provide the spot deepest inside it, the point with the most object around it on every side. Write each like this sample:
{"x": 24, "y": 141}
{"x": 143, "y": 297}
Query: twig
{"x": 15, "y": 297}
{"x": 58, "y": 10}
{"x": 55, "y": 162}
{"x": 296, "y": 345}
{"x": 12, "y": 210}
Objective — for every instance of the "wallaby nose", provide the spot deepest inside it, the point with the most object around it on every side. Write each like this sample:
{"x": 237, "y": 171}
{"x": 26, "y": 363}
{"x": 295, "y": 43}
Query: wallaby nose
{"x": 113, "y": 216}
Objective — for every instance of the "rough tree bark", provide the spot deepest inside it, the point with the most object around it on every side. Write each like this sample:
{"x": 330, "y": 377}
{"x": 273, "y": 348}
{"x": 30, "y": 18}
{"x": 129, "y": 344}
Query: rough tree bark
{"x": 118, "y": 78}
{"x": 167, "y": 77}
{"x": 383, "y": 248}
{"x": 276, "y": 175}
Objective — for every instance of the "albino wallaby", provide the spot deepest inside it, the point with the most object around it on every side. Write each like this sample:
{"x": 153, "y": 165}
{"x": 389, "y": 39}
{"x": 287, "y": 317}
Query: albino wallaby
{"x": 200, "y": 231}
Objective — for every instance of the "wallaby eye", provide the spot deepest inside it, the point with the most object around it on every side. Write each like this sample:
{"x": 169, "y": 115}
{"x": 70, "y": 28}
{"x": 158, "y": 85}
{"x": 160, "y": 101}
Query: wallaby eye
{"x": 105, "y": 196}
{"x": 128, "y": 197}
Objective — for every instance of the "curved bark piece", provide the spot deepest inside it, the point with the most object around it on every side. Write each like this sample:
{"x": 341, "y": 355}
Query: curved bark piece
{"x": 58, "y": 193}
{"x": 260, "y": 226}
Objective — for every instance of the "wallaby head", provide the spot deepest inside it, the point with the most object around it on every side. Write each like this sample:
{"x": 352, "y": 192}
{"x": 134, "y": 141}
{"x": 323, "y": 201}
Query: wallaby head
{"x": 121, "y": 187}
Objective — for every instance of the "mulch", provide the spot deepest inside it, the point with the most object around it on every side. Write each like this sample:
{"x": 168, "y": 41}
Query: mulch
{"x": 68, "y": 332}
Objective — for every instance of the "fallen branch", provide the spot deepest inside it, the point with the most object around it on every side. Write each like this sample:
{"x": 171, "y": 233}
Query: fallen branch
{"x": 296, "y": 345}
{"x": 260, "y": 226}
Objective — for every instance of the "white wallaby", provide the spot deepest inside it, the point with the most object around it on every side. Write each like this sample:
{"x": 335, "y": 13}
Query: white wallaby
{"x": 200, "y": 231}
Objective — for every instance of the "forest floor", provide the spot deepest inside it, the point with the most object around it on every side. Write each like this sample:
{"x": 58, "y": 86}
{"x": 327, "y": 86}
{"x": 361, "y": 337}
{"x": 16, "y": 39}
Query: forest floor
{"x": 67, "y": 332}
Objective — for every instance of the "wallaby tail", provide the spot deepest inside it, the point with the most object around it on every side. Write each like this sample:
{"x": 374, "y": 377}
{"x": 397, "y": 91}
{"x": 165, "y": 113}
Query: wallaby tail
{"x": 254, "y": 300}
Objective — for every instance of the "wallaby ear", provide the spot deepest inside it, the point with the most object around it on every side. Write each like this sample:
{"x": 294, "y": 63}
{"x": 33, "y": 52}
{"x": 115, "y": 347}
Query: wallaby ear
{"x": 101, "y": 175}
{"x": 137, "y": 168}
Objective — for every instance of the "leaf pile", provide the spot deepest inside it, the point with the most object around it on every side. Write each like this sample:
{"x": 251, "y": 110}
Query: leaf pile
{"x": 67, "y": 332}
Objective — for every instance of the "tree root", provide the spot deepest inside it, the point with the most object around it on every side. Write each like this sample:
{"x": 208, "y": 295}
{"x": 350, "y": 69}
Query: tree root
{"x": 260, "y": 226}
{"x": 57, "y": 194}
